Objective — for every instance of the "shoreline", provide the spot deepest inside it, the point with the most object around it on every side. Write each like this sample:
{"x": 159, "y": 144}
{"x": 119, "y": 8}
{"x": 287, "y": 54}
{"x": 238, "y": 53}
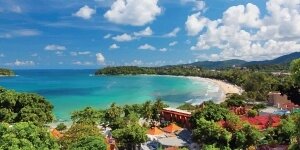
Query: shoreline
{"x": 225, "y": 87}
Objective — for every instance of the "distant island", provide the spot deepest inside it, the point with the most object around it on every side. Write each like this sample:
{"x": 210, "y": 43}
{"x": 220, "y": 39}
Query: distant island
{"x": 6, "y": 72}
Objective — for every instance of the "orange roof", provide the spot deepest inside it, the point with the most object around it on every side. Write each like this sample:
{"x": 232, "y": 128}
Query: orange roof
{"x": 172, "y": 128}
{"x": 56, "y": 133}
{"x": 154, "y": 131}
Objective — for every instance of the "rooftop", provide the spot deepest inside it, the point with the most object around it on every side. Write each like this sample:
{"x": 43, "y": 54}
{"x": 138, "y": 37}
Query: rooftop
{"x": 177, "y": 110}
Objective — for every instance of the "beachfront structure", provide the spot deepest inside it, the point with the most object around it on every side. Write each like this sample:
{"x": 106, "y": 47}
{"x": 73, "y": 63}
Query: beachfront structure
{"x": 281, "y": 101}
{"x": 277, "y": 100}
{"x": 176, "y": 115}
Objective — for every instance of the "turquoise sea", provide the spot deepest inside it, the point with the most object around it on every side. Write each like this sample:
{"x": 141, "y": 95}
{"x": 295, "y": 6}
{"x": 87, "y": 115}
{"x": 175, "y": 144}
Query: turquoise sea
{"x": 70, "y": 90}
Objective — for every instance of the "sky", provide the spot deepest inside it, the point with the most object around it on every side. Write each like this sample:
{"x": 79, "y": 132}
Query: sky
{"x": 58, "y": 34}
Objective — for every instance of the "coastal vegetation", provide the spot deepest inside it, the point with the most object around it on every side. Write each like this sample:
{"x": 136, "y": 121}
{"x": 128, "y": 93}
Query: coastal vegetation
{"x": 6, "y": 72}
{"x": 24, "y": 107}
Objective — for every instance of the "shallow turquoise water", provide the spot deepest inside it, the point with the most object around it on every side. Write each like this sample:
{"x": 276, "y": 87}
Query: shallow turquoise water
{"x": 70, "y": 90}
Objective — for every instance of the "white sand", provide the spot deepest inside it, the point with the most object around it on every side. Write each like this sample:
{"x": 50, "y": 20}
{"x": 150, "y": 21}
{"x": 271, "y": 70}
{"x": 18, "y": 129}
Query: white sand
{"x": 226, "y": 87}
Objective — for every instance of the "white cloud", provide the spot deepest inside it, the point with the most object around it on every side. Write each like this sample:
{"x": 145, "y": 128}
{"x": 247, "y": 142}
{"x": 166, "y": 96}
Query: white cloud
{"x": 20, "y": 33}
{"x": 195, "y": 24}
{"x": 199, "y": 5}
{"x": 54, "y": 47}
{"x": 145, "y": 32}
{"x": 135, "y": 63}
{"x": 133, "y": 12}
{"x": 163, "y": 49}
{"x": 100, "y": 58}
{"x": 173, "y": 33}
{"x": 26, "y": 32}
{"x": 241, "y": 15}
{"x": 244, "y": 33}
{"x": 21, "y": 63}
{"x": 173, "y": 43}
{"x": 86, "y": 63}
{"x": 107, "y": 36}
{"x": 147, "y": 47}
{"x": 16, "y": 9}
{"x": 59, "y": 53}
{"x": 114, "y": 46}
{"x": 80, "y": 53}
{"x": 123, "y": 38}
{"x": 34, "y": 55}
{"x": 85, "y": 12}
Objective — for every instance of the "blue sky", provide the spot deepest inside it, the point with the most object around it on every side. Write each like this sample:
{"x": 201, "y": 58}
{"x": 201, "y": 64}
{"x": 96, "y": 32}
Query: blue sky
{"x": 98, "y": 33}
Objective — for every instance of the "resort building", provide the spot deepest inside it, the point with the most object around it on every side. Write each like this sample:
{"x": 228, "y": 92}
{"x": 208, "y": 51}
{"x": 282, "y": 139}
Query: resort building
{"x": 277, "y": 100}
{"x": 281, "y": 101}
{"x": 176, "y": 115}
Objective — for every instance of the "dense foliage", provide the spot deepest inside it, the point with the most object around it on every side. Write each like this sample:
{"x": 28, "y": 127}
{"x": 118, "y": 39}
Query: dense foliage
{"x": 76, "y": 134}
{"x": 87, "y": 116}
{"x": 26, "y": 136}
{"x": 89, "y": 143}
{"x": 210, "y": 112}
{"x": 130, "y": 136}
{"x": 24, "y": 107}
{"x": 6, "y": 72}
{"x": 291, "y": 85}
{"x": 61, "y": 127}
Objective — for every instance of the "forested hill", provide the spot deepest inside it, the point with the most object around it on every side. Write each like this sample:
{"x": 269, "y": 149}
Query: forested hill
{"x": 134, "y": 70}
{"x": 6, "y": 72}
{"x": 280, "y": 63}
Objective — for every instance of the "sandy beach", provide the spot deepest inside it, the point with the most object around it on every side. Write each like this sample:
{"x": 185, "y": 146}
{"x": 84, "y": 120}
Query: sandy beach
{"x": 226, "y": 88}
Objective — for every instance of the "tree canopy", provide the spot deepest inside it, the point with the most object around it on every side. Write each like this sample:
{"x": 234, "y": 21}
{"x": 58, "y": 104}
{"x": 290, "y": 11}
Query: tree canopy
{"x": 89, "y": 143}
{"x": 26, "y": 136}
{"x": 24, "y": 107}
{"x": 77, "y": 132}
{"x": 6, "y": 72}
{"x": 88, "y": 116}
{"x": 130, "y": 136}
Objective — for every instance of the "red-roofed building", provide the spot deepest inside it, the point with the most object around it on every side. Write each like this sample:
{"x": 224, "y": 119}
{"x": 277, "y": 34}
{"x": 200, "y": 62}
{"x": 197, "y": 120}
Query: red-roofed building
{"x": 176, "y": 115}
{"x": 56, "y": 134}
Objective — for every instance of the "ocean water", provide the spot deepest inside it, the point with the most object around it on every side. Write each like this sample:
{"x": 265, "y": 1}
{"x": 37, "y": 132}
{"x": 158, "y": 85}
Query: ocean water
{"x": 70, "y": 90}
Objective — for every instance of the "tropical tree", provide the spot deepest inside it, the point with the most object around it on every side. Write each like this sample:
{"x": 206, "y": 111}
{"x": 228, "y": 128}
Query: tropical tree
{"x": 210, "y": 112}
{"x": 27, "y": 136}
{"x": 87, "y": 116}
{"x": 285, "y": 131}
{"x": 209, "y": 132}
{"x": 157, "y": 106}
{"x": 77, "y": 132}
{"x": 147, "y": 110}
{"x": 187, "y": 106}
{"x": 295, "y": 70}
{"x": 24, "y": 107}
{"x": 113, "y": 115}
{"x": 89, "y": 143}
{"x": 130, "y": 137}
{"x": 246, "y": 137}
{"x": 61, "y": 127}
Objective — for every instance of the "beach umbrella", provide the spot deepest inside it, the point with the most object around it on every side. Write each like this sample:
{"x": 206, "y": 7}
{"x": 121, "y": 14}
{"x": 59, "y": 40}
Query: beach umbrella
{"x": 171, "y": 128}
{"x": 154, "y": 131}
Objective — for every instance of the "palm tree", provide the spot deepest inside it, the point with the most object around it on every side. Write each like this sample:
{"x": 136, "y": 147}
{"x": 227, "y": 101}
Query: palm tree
{"x": 147, "y": 110}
